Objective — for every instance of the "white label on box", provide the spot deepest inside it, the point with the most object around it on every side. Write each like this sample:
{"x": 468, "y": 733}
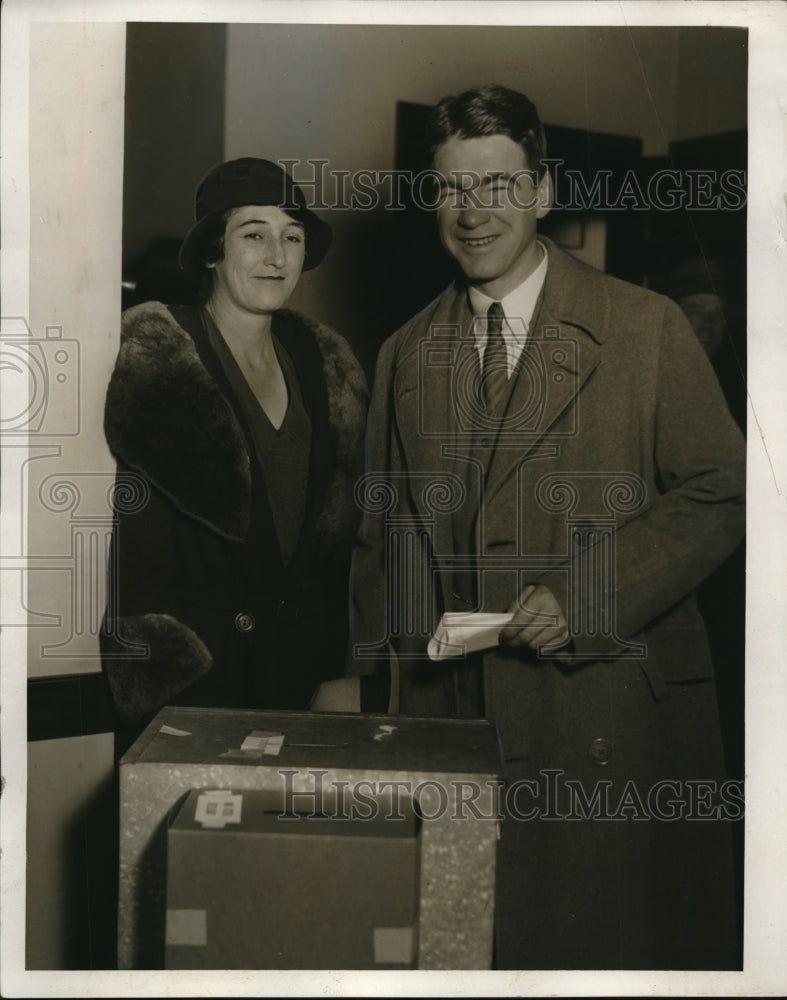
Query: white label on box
{"x": 383, "y": 731}
{"x": 264, "y": 742}
{"x": 187, "y": 927}
{"x": 217, "y": 808}
{"x": 273, "y": 745}
{"x": 394, "y": 945}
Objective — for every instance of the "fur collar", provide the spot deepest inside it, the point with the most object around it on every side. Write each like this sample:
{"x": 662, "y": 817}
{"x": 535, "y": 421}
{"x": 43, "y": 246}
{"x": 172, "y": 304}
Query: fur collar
{"x": 166, "y": 417}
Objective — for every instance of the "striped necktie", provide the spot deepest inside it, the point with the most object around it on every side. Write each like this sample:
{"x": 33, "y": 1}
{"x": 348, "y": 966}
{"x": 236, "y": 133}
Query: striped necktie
{"x": 494, "y": 374}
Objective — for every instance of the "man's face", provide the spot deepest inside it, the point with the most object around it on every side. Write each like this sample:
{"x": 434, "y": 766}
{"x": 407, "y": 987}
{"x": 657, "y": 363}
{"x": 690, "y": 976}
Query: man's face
{"x": 488, "y": 212}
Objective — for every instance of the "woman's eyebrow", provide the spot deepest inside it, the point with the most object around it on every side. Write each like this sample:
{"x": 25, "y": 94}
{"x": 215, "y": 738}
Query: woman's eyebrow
{"x": 266, "y": 222}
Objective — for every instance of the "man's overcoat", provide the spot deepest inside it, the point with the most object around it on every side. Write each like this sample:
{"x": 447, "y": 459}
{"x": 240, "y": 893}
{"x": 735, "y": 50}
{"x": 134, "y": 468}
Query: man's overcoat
{"x": 616, "y": 479}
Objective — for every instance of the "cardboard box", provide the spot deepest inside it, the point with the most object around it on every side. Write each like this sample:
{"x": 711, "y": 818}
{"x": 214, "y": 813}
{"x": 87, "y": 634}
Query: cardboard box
{"x": 447, "y": 769}
{"x": 253, "y": 886}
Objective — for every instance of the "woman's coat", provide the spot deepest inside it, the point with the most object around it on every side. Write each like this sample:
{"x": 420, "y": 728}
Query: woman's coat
{"x": 202, "y": 610}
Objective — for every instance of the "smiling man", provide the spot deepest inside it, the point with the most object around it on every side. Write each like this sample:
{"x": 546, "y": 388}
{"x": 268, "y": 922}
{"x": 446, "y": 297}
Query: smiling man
{"x": 488, "y": 211}
{"x": 550, "y": 445}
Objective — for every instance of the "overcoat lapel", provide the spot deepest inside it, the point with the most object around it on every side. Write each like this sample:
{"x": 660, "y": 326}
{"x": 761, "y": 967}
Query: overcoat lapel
{"x": 428, "y": 399}
{"x": 425, "y": 396}
{"x": 558, "y": 359}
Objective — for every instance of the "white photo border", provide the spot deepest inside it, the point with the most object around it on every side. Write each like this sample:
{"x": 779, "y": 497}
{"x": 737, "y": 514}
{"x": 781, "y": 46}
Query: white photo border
{"x": 765, "y": 958}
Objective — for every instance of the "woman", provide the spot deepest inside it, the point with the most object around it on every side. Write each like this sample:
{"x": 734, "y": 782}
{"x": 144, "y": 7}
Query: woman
{"x": 238, "y": 430}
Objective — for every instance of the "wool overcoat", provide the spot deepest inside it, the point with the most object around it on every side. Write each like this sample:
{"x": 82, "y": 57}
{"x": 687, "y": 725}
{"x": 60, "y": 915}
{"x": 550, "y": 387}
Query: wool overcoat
{"x": 617, "y": 479}
{"x": 202, "y": 609}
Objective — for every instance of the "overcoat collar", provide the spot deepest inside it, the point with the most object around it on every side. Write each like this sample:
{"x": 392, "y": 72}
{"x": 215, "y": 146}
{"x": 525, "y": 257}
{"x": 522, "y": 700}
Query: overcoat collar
{"x": 436, "y": 382}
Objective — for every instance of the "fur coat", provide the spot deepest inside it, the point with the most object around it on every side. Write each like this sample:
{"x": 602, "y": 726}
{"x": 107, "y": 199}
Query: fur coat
{"x": 202, "y": 610}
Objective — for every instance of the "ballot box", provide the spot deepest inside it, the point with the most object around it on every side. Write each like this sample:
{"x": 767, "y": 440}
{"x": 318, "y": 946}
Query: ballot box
{"x": 254, "y": 884}
{"x": 396, "y": 818}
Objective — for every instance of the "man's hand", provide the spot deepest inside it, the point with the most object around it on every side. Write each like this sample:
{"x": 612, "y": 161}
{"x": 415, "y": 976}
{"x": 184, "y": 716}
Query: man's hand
{"x": 538, "y": 620}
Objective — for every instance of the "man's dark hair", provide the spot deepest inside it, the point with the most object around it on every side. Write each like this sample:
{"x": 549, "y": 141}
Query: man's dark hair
{"x": 485, "y": 111}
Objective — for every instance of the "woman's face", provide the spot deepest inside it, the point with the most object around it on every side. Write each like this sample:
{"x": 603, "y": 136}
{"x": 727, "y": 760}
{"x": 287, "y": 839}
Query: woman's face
{"x": 264, "y": 249}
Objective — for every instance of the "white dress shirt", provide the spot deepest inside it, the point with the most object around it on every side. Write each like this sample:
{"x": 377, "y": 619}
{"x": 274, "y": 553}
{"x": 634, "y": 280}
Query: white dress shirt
{"x": 518, "y": 306}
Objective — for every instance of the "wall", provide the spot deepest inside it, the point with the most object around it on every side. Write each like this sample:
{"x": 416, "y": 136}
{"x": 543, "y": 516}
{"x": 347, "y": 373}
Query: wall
{"x": 712, "y": 92}
{"x": 75, "y": 178}
{"x": 174, "y": 126}
{"x": 173, "y": 116}
{"x": 330, "y": 91}
{"x": 72, "y": 864}
{"x": 76, "y": 157}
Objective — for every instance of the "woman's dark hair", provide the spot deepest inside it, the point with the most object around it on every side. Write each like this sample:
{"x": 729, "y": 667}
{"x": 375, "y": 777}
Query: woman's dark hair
{"x": 485, "y": 111}
{"x": 209, "y": 249}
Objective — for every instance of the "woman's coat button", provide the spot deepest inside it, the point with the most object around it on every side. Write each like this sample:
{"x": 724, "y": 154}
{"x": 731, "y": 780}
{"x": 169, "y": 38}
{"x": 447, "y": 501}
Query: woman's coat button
{"x": 601, "y": 750}
{"x": 244, "y": 622}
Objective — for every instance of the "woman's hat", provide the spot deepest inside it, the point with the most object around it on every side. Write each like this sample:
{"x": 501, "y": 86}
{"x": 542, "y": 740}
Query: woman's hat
{"x": 250, "y": 181}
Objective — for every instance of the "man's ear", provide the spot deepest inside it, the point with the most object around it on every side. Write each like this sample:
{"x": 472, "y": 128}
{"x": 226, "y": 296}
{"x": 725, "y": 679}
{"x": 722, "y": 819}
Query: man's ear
{"x": 545, "y": 194}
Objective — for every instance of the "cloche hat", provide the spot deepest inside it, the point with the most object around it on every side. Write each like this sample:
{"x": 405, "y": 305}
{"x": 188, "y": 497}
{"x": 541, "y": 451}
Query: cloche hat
{"x": 251, "y": 181}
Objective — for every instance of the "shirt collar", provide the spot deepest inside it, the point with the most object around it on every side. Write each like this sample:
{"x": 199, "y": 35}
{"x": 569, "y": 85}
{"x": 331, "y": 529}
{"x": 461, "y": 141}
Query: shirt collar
{"x": 518, "y": 304}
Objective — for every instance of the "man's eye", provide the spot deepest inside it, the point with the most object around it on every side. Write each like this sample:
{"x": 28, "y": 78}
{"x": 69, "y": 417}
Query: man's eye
{"x": 295, "y": 238}
{"x": 253, "y": 236}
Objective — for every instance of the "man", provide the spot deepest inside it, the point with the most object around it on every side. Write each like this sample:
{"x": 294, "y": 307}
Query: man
{"x": 551, "y": 443}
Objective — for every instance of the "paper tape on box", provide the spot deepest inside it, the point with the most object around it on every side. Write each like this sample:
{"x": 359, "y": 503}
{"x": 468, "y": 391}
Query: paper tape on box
{"x": 188, "y": 927}
{"x": 215, "y": 809}
{"x": 266, "y": 743}
{"x": 172, "y": 731}
{"x": 394, "y": 945}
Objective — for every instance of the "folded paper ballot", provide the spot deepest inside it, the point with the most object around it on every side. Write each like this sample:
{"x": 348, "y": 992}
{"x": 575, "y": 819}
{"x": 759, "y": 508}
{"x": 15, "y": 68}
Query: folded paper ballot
{"x": 462, "y": 632}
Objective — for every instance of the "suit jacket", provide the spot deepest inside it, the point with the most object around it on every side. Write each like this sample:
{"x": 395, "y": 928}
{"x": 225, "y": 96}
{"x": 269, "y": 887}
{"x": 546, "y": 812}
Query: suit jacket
{"x": 202, "y": 609}
{"x": 617, "y": 480}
